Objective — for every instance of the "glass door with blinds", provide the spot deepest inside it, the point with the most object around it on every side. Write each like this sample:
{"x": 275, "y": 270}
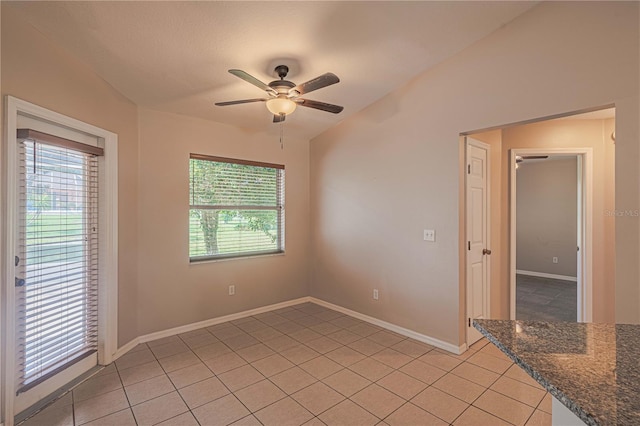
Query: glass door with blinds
{"x": 56, "y": 264}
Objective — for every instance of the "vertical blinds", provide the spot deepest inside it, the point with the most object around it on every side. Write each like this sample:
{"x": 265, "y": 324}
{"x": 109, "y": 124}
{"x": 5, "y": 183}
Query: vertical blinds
{"x": 57, "y": 262}
{"x": 236, "y": 208}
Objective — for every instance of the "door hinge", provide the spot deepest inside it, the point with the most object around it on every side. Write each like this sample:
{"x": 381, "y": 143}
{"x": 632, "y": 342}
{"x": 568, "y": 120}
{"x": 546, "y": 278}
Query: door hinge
{"x": 468, "y": 169}
{"x": 468, "y": 245}
{"x": 469, "y": 322}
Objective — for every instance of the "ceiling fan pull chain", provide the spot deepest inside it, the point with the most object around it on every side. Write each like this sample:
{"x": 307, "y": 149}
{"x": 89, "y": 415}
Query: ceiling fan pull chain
{"x": 282, "y": 135}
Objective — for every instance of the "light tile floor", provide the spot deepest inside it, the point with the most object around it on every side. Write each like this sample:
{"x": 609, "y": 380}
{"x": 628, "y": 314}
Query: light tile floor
{"x": 304, "y": 364}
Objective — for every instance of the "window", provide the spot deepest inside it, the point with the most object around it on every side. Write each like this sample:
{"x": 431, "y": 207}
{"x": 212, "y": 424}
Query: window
{"x": 236, "y": 208}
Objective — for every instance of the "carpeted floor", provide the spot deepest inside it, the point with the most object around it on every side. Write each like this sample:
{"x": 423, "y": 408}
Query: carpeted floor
{"x": 545, "y": 299}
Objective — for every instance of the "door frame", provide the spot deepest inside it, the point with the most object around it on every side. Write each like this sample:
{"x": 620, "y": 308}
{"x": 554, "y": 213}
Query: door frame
{"x": 585, "y": 231}
{"x": 108, "y": 243}
{"x": 487, "y": 290}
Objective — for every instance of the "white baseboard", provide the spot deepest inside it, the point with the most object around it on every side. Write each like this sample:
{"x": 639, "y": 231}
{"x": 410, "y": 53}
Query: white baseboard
{"x": 125, "y": 348}
{"x": 545, "y": 275}
{"x": 206, "y": 323}
{"x": 450, "y": 347}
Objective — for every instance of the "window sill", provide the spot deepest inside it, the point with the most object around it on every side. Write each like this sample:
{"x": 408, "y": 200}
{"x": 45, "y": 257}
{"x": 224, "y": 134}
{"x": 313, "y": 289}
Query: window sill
{"x": 227, "y": 259}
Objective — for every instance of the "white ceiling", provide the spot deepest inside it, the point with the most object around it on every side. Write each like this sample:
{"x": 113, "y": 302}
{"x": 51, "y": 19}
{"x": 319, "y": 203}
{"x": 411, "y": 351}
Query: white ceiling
{"x": 174, "y": 56}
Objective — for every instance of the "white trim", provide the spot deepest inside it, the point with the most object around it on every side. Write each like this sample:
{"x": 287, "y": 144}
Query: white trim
{"x": 395, "y": 328}
{"x": 108, "y": 240}
{"x": 545, "y": 275}
{"x": 126, "y": 348}
{"x": 585, "y": 234}
{"x": 108, "y": 307}
{"x": 218, "y": 320}
{"x": 512, "y": 235}
{"x": 206, "y": 323}
{"x": 8, "y": 291}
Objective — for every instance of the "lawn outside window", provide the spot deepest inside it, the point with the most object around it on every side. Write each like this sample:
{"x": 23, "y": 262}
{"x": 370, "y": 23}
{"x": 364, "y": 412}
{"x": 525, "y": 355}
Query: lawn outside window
{"x": 236, "y": 208}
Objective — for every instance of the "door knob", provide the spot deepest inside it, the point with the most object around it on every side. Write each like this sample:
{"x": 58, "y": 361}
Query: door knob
{"x": 486, "y": 251}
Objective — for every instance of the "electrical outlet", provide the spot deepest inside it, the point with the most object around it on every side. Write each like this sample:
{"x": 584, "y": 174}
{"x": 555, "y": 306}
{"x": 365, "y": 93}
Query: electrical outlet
{"x": 375, "y": 294}
{"x": 232, "y": 290}
{"x": 555, "y": 259}
{"x": 429, "y": 235}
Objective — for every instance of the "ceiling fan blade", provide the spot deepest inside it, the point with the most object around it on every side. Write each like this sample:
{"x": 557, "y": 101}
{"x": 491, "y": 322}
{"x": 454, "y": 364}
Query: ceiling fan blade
{"x": 278, "y": 118}
{"x": 535, "y": 157}
{"x": 317, "y": 83}
{"x": 251, "y": 79}
{"x": 320, "y": 105}
{"x": 243, "y": 101}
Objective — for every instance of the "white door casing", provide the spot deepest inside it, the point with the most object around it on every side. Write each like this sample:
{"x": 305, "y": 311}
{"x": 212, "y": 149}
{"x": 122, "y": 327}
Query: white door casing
{"x": 477, "y": 175}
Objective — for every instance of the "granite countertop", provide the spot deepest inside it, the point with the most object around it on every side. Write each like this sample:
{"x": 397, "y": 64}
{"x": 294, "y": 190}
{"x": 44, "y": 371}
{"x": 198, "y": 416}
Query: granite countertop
{"x": 593, "y": 369}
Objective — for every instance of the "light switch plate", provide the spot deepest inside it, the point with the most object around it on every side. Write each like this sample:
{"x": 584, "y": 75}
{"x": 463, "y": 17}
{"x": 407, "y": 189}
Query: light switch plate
{"x": 429, "y": 235}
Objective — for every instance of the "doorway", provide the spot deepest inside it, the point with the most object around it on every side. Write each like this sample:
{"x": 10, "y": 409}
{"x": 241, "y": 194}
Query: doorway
{"x": 570, "y": 134}
{"x": 551, "y": 191}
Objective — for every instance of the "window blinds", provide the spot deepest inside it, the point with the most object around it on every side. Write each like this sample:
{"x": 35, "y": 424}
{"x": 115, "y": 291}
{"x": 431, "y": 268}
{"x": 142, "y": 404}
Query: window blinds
{"x": 236, "y": 208}
{"x": 57, "y": 262}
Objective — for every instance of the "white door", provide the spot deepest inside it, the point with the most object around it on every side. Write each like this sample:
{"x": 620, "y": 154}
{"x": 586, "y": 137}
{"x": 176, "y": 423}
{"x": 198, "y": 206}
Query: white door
{"x": 477, "y": 233}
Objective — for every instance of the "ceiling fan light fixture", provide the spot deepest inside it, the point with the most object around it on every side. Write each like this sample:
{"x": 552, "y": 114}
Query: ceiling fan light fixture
{"x": 281, "y": 106}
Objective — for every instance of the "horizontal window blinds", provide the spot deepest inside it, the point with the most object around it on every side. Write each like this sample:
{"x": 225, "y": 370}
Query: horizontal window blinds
{"x": 236, "y": 208}
{"x": 57, "y": 262}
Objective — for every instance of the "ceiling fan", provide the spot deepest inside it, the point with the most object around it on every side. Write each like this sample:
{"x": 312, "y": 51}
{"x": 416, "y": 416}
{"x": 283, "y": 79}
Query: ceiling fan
{"x": 284, "y": 95}
{"x": 521, "y": 158}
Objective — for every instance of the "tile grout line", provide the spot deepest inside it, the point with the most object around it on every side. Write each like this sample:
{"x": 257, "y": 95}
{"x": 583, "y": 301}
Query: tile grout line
{"x": 125, "y": 394}
{"x": 323, "y": 321}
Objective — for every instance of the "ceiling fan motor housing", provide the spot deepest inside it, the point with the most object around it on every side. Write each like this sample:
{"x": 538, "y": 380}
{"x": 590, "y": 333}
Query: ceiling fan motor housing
{"x": 282, "y": 86}
{"x": 282, "y": 71}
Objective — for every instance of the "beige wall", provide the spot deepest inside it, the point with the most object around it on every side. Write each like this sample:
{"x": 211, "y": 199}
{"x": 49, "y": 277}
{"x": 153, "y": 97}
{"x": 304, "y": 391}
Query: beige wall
{"x": 175, "y": 292}
{"x": 158, "y": 289}
{"x": 547, "y": 212}
{"x": 37, "y": 71}
{"x": 379, "y": 179}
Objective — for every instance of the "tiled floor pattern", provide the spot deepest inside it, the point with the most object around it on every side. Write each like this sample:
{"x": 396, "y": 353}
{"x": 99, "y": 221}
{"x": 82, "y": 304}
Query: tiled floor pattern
{"x": 304, "y": 364}
{"x": 546, "y": 299}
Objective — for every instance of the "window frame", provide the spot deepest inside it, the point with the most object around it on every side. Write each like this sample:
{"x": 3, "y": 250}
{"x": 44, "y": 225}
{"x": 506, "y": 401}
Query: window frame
{"x": 279, "y": 208}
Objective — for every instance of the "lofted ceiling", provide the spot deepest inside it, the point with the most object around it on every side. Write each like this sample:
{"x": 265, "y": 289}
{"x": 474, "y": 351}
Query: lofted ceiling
{"x": 174, "y": 56}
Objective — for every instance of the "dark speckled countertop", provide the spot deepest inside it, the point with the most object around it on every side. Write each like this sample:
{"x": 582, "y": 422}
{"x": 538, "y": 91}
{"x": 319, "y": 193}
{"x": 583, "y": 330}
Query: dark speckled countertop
{"x": 593, "y": 369}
